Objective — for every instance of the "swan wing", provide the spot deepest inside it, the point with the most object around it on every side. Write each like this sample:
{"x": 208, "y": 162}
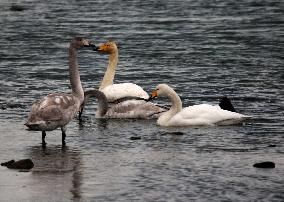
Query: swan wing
{"x": 204, "y": 114}
{"x": 118, "y": 91}
{"x": 134, "y": 109}
{"x": 53, "y": 107}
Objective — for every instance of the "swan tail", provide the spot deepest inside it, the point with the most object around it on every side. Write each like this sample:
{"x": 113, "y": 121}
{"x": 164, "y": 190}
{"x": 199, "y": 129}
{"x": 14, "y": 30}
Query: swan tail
{"x": 226, "y": 104}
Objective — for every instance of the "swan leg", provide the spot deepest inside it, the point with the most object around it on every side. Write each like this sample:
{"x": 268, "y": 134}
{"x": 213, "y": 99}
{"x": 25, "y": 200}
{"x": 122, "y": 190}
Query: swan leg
{"x": 80, "y": 114}
{"x": 63, "y": 129}
{"x": 81, "y": 111}
{"x": 43, "y": 134}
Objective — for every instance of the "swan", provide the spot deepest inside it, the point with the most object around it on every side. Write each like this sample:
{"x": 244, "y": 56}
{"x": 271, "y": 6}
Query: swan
{"x": 139, "y": 109}
{"x": 203, "y": 114}
{"x": 125, "y": 100}
{"x": 56, "y": 110}
{"x": 117, "y": 91}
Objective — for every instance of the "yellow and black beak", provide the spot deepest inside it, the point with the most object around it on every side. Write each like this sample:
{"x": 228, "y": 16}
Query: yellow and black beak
{"x": 101, "y": 48}
{"x": 153, "y": 95}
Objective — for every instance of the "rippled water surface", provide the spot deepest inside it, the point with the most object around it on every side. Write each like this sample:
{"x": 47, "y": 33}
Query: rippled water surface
{"x": 203, "y": 49}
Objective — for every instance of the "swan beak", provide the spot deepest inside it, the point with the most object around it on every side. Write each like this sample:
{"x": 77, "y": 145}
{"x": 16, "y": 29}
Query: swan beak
{"x": 96, "y": 48}
{"x": 93, "y": 46}
{"x": 99, "y": 48}
{"x": 87, "y": 43}
{"x": 90, "y": 45}
{"x": 153, "y": 95}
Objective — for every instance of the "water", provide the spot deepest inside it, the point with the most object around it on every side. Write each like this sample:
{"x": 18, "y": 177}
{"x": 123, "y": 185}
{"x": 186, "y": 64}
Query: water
{"x": 203, "y": 49}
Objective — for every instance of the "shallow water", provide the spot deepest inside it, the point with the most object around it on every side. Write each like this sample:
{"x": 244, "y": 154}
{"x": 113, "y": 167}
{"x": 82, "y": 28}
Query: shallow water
{"x": 204, "y": 50}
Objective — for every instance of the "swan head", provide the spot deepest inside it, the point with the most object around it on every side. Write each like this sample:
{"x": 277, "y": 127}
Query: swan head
{"x": 161, "y": 90}
{"x": 79, "y": 42}
{"x": 41, "y": 125}
{"x": 108, "y": 47}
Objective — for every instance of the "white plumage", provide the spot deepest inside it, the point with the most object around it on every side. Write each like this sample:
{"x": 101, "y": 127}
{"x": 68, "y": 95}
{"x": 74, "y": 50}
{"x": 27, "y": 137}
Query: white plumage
{"x": 121, "y": 90}
{"x": 117, "y": 91}
{"x": 203, "y": 114}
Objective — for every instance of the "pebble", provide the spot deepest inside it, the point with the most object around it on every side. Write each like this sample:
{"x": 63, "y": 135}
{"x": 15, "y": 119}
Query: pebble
{"x": 17, "y": 8}
{"x": 265, "y": 164}
{"x": 21, "y": 164}
{"x": 135, "y": 138}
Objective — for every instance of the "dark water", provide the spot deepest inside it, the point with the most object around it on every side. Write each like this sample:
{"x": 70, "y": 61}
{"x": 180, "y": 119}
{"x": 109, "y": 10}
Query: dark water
{"x": 204, "y": 49}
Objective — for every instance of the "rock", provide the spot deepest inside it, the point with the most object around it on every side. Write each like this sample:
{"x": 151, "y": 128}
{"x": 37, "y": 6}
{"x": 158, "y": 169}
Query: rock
{"x": 8, "y": 163}
{"x": 272, "y": 145}
{"x": 135, "y": 138}
{"x": 15, "y": 7}
{"x": 21, "y": 164}
{"x": 177, "y": 133}
{"x": 265, "y": 164}
{"x": 172, "y": 133}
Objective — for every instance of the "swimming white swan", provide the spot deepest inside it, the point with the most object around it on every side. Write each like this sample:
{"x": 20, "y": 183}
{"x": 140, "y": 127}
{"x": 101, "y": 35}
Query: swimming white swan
{"x": 58, "y": 109}
{"x": 139, "y": 109}
{"x": 116, "y": 91}
{"x": 203, "y": 114}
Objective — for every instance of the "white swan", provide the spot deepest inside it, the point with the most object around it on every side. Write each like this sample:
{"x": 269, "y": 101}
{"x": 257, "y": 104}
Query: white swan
{"x": 126, "y": 100}
{"x": 117, "y": 91}
{"x": 203, "y": 114}
{"x": 139, "y": 109}
{"x": 58, "y": 109}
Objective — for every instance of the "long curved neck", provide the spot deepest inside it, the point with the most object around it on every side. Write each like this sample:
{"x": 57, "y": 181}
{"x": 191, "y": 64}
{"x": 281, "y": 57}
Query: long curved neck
{"x": 110, "y": 72}
{"x": 175, "y": 108}
{"x": 75, "y": 81}
{"x": 102, "y": 101}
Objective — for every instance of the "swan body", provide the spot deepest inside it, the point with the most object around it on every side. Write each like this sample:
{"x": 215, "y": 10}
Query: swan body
{"x": 53, "y": 111}
{"x": 139, "y": 109}
{"x": 117, "y": 91}
{"x": 203, "y": 114}
{"x": 121, "y": 90}
{"x": 58, "y": 109}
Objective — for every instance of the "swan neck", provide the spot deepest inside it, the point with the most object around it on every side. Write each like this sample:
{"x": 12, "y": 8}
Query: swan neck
{"x": 74, "y": 75}
{"x": 102, "y": 108}
{"x": 175, "y": 108}
{"x": 102, "y": 102}
{"x": 110, "y": 72}
{"x": 176, "y": 102}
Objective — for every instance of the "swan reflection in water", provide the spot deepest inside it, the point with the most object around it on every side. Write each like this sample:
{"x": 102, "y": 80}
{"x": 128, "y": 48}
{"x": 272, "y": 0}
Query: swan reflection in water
{"x": 57, "y": 172}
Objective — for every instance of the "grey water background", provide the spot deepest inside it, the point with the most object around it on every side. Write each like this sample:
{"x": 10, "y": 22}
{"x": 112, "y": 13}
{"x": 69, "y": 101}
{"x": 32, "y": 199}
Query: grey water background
{"x": 203, "y": 49}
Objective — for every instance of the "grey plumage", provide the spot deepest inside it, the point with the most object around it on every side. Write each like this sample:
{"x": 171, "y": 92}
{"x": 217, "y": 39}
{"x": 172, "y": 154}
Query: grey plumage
{"x": 130, "y": 108}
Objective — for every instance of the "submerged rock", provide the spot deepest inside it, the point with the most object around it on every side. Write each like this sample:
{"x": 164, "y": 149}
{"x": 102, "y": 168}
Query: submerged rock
{"x": 135, "y": 138}
{"x": 177, "y": 133}
{"x": 21, "y": 164}
{"x": 272, "y": 145}
{"x": 8, "y": 163}
{"x": 15, "y": 7}
{"x": 265, "y": 164}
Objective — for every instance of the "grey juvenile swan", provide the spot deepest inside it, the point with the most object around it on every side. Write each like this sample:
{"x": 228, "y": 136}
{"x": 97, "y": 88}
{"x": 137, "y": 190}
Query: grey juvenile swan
{"x": 56, "y": 110}
{"x": 124, "y": 109}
